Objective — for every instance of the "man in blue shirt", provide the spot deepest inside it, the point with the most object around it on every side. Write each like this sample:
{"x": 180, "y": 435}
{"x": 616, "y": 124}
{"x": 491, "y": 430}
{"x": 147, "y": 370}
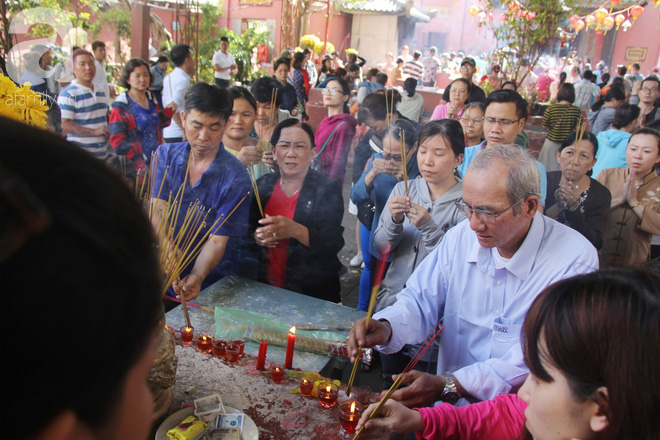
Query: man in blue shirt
{"x": 480, "y": 281}
{"x": 210, "y": 175}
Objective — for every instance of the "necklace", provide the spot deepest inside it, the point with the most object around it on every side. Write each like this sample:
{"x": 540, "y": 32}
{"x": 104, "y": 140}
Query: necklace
{"x": 296, "y": 192}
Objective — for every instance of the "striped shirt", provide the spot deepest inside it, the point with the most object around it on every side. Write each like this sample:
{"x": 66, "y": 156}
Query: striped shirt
{"x": 561, "y": 119}
{"x": 87, "y": 108}
{"x": 414, "y": 69}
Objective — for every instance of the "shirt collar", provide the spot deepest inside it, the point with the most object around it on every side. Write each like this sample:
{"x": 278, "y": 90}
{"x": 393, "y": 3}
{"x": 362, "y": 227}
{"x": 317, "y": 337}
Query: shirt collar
{"x": 75, "y": 81}
{"x": 212, "y": 170}
{"x": 522, "y": 261}
{"x": 182, "y": 72}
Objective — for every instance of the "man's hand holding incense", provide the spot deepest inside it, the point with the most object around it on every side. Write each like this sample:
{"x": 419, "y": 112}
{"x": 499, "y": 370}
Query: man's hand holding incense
{"x": 423, "y": 389}
{"x": 393, "y": 417}
{"x": 268, "y": 159}
{"x": 378, "y": 333}
{"x": 189, "y": 286}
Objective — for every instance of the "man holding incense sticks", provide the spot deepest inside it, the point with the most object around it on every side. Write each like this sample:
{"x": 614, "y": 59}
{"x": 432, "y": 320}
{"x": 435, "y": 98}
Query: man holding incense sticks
{"x": 206, "y": 173}
{"x": 480, "y": 281}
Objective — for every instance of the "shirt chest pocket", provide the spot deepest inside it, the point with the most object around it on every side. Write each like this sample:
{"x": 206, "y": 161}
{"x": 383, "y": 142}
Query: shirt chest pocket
{"x": 504, "y": 336}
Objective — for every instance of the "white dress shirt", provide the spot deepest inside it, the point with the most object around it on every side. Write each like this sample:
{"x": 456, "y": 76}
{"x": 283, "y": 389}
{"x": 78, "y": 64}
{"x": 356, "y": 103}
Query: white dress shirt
{"x": 175, "y": 86}
{"x": 223, "y": 60}
{"x": 484, "y": 306}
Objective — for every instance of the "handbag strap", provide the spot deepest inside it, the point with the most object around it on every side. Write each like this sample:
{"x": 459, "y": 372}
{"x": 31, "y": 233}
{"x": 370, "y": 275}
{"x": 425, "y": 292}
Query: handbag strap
{"x": 330, "y": 137}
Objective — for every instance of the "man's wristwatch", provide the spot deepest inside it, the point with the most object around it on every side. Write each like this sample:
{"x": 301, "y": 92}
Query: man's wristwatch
{"x": 450, "y": 394}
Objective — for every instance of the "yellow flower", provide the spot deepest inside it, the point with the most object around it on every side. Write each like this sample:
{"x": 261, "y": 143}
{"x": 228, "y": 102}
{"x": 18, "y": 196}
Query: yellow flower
{"x": 22, "y": 104}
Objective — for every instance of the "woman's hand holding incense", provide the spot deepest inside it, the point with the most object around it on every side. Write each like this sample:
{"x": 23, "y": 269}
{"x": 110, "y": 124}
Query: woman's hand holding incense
{"x": 399, "y": 207}
{"x": 423, "y": 389}
{"x": 393, "y": 417}
{"x": 378, "y": 333}
{"x": 250, "y": 155}
{"x": 418, "y": 215}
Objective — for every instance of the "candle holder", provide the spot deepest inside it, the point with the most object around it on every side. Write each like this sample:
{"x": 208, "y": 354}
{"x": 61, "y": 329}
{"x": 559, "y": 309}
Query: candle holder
{"x": 349, "y": 415}
{"x": 187, "y": 334}
{"x": 328, "y": 392}
{"x": 241, "y": 345}
{"x": 204, "y": 342}
{"x": 232, "y": 353}
{"x": 362, "y": 394}
{"x": 306, "y": 384}
{"x": 220, "y": 348}
{"x": 277, "y": 373}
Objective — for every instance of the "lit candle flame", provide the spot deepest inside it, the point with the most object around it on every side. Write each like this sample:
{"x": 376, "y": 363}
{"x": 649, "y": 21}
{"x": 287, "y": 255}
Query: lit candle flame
{"x": 353, "y": 406}
{"x": 328, "y": 388}
{"x": 292, "y": 330}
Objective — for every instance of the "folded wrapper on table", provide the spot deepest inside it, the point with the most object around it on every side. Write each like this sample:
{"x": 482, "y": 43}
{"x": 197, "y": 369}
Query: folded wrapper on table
{"x": 236, "y": 323}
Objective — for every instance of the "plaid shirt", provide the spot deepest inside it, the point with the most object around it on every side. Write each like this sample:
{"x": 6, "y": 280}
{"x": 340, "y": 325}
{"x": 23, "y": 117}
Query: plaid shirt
{"x": 586, "y": 93}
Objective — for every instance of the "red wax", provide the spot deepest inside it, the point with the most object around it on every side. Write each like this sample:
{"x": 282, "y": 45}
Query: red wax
{"x": 290, "y": 345}
{"x": 261, "y": 357}
{"x": 204, "y": 343}
{"x": 186, "y": 335}
{"x": 277, "y": 374}
{"x": 306, "y": 387}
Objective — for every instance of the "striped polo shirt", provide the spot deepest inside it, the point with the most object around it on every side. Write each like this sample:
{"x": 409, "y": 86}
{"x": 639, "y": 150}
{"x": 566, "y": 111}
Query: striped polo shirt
{"x": 89, "y": 109}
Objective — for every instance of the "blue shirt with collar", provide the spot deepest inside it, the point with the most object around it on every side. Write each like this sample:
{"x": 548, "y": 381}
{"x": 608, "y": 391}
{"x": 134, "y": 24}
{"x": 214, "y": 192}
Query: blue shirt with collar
{"x": 219, "y": 190}
{"x": 483, "y": 301}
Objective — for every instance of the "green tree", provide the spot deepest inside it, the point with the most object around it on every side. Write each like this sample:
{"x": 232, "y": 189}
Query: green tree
{"x": 242, "y": 45}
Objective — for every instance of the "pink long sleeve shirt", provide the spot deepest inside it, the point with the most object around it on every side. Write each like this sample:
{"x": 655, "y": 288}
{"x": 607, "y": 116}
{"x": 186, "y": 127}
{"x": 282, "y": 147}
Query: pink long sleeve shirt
{"x": 502, "y": 418}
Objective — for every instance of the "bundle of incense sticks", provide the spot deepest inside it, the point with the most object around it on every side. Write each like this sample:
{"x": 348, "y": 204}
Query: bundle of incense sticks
{"x": 580, "y": 129}
{"x": 404, "y": 158}
{"x": 428, "y": 342}
{"x": 380, "y": 274}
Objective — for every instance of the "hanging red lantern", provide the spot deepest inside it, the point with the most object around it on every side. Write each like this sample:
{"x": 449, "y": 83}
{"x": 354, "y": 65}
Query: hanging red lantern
{"x": 636, "y": 11}
{"x": 600, "y": 14}
{"x": 589, "y": 19}
{"x": 473, "y": 10}
{"x": 578, "y": 25}
{"x": 608, "y": 22}
{"x": 575, "y": 18}
{"x": 614, "y": 2}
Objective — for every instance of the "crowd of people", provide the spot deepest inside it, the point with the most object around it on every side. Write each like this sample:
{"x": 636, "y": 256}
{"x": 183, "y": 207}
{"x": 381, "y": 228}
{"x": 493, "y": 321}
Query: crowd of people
{"x": 506, "y": 251}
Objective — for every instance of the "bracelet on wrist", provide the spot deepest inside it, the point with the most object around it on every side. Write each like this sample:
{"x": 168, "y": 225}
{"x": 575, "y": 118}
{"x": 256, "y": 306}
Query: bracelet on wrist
{"x": 635, "y": 205}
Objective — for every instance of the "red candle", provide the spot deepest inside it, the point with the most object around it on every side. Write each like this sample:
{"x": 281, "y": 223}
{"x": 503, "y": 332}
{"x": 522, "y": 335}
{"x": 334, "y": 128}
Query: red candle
{"x": 220, "y": 348}
{"x": 349, "y": 415}
{"x": 204, "y": 343}
{"x": 290, "y": 345}
{"x": 261, "y": 357}
{"x": 277, "y": 373}
{"x": 306, "y": 385}
{"x": 328, "y": 394}
{"x": 186, "y": 335}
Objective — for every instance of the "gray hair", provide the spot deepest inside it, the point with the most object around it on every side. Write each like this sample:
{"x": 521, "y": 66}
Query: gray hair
{"x": 523, "y": 179}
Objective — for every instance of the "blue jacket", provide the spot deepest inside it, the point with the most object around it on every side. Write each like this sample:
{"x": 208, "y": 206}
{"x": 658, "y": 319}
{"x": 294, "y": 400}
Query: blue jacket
{"x": 611, "y": 153}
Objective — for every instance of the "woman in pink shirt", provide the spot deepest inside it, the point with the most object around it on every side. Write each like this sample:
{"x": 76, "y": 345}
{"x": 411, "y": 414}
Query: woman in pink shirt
{"x": 458, "y": 94}
{"x": 590, "y": 343}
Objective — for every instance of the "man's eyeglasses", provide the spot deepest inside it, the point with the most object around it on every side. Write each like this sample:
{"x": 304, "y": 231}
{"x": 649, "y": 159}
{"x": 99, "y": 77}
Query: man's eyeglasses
{"x": 394, "y": 157}
{"x": 649, "y": 89}
{"x": 475, "y": 121}
{"x": 483, "y": 214}
{"x": 501, "y": 122}
{"x": 331, "y": 92}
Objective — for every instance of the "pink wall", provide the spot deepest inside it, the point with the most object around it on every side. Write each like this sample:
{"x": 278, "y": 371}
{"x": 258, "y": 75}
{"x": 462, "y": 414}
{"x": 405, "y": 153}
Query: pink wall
{"x": 640, "y": 35}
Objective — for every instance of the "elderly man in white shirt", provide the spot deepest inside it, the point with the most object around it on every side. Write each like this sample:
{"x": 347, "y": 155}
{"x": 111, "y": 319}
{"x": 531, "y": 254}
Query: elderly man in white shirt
{"x": 480, "y": 281}
{"x": 224, "y": 64}
{"x": 175, "y": 86}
